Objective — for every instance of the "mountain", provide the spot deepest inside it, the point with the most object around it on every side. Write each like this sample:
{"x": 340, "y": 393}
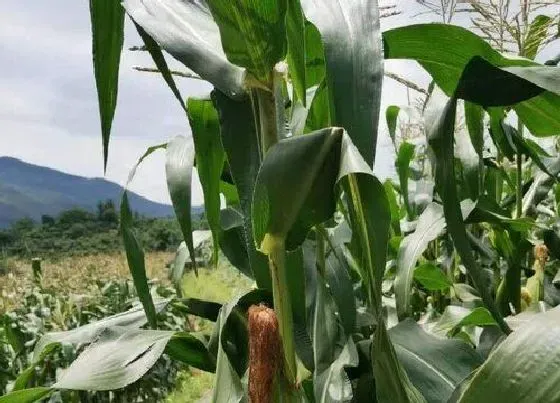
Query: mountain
{"x": 28, "y": 190}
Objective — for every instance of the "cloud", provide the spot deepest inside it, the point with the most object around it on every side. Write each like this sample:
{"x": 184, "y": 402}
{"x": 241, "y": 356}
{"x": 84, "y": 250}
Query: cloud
{"x": 48, "y": 104}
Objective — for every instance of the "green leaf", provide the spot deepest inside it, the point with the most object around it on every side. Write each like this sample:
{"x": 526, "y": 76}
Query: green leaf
{"x": 538, "y": 31}
{"x": 431, "y": 224}
{"x": 402, "y": 163}
{"x": 26, "y": 376}
{"x": 431, "y": 277}
{"x": 135, "y": 259}
{"x": 179, "y": 161}
{"x": 330, "y": 381}
{"x": 253, "y": 33}
{"x": 530, "y": 376}
{"x": 107, "y": 28}
{"x": 474, "y": 117}
{"x": 26, "y": 395}
{"x": 305, "y": 166}
{"x": 134, "y": 318}
{"x": 161, "y": 64}
{"x": 435, "y": 366}
{"x": 434, "y": 46}
{"x": 191, "y": 350}
{"x": 117, "y": 358}
{"x": 210, "y": 158}
{"x": 187, "y": 31}
{"x": 395, "y": 211}
{"x": 341, "y": 288}
{"x": 351, "y": 38}
{"x": 478, "y": 317}
{"x": 232, "y": 241}
{"x": 241, "y": 144}
{"x": 391, "y": 115}
{"x": 440, "y": 130}
{"x": 295, "y": 30}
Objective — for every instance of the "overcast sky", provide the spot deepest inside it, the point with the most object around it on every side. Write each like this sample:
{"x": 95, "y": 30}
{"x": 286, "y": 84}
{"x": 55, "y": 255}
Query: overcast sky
{"x": 48, "y": 104}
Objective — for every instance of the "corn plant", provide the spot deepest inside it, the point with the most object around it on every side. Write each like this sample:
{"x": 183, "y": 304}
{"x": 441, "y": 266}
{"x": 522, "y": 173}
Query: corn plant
{"x": 288, "y": 136}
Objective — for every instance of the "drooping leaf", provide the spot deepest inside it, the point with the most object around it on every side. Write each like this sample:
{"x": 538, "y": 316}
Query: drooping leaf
{"x": 531, "y": 376}
{"x": 107, "y": 28}
{"x": 26, "y": 395}
{"x": 232, "y": 240}
{"x": 351, "y": 38}
{"x": 134, "y": 318}
{"x": 391, "y": 115}
{"x": 135, "y": 259}
{"x": 241, "y": 144}
{"x": 295, "y": 31}
{"x": 210, "y": 158}
{"x": 179, "y": 161}
{"x": 188, "y": 32}
{"x": 191, "y": 350}
{"x": 431, "y": 277}
{"x": 253, "y": 33}
{"x": 341, "y": 288}
{"x": 435, "y": 366}
{"x": 161, "y": 64}
{"x": 537, "y": 34}
{"x": 402, "y": 163}
{"x": 474, "y": 118}
{"x": 118, "y": 357}
{"x": 434, "y": 47}
{"x": 440, "y": 129}
{"x": 431, "y": 224}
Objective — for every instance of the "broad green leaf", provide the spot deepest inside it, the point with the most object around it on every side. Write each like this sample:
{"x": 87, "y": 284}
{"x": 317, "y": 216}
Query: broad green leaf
{"x": 295, "y": 30}
{"x": 204, "y": 309}
{"x": 253, "y": 33}
{"x": 431, "y": 277}
{"x": 540, "y": 187}
{"x": 306, "y": 167}
{"x": 227, "y": 384}
{"x": 191, "y": 350}
{"x": 395, "y": 211}
{"x": 134, "y": 318}
{"x": 179, "y": 161}
{"x": 391, "y": 115}
{"x": 500, "y": 137}
{"x": 351, "y": 38}
{"x": 310, "y": 167}
{"x": 431, "y": 224}
{"x": 435, "y": 366}
{"x": 341, "y": 288}
{"x": 434, "y": 46}
{"x": 241, "y": 144}
{"x": 333, "y": 351}
{"x": 538, "y": 31}
{"x": 486, "y": 210}
{"x": 188, "y": 32}
{"x": 232, "y": 240}
{"x": 474, "y": 118}
{"x": 117, "y": 358}
{"x": 210, "y": 158}
{"x": 440, "y": 130}
{"x": 391, "y": 380}
{"x": 107, "y": 28}
{"x": 177, "y": 267}
{"x": 402, "y": 163}
{"x": 161, "y": 64}
{"x": 135, "y": 259}
{"x": 26, "y": 395}
{"x": 523, "y": 367}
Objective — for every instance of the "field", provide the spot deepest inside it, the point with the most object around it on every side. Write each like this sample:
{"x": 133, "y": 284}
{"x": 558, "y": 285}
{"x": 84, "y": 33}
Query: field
{"x": 81, "y": 280}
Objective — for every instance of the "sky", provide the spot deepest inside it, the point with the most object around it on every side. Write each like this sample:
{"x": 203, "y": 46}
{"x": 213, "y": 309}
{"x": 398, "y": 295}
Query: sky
{"x": 48, "y": 103}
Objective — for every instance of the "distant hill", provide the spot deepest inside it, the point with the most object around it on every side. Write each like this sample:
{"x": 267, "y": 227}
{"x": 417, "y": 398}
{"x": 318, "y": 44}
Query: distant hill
{"x": 28, "y": 190}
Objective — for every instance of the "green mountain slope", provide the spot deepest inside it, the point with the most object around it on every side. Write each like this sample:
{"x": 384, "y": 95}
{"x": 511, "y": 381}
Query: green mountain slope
{"x": 28, "y": 190}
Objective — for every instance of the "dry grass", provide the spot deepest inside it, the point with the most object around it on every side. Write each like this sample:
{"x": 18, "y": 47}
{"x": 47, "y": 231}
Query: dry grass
{"x": 74, "y": 275}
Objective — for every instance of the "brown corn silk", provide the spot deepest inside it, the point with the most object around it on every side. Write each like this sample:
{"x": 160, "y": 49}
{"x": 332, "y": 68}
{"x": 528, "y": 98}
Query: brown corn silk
{"x": 264, "y": 353}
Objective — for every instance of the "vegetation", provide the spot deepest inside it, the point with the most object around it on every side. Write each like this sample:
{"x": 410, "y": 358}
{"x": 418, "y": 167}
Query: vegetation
{"x": 441, "y": 292}
{"x": 80, "y": 232}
